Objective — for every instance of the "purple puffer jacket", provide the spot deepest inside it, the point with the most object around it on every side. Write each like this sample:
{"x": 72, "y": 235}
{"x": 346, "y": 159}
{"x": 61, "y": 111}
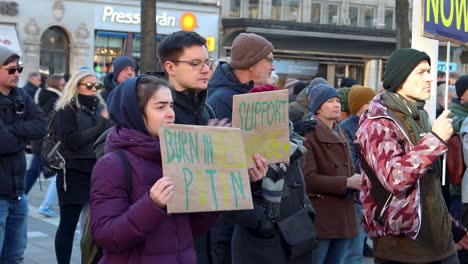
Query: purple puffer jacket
{"x": 141, "y": 232}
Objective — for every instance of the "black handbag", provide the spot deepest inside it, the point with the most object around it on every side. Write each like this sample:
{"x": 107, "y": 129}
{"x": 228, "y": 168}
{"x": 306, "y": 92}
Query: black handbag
{"x": 298, "y": 233}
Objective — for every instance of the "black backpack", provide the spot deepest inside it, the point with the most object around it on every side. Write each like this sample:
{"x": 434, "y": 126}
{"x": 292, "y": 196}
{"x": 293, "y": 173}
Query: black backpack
{"x": 51, "y": 158}
{"x": 90, "y": 252}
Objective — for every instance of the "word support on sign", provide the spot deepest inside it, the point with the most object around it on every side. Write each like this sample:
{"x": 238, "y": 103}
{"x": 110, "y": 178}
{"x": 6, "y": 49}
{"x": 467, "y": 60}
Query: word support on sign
{"x": 264, "y": 121}
{"x": 208, "y": 167}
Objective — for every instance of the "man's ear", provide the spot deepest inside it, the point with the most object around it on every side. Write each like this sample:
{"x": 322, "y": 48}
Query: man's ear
{"x": 169, "y": 66}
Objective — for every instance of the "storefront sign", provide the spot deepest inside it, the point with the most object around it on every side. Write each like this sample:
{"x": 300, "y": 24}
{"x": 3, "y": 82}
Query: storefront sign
{"x": 446, "y": 20}
{"x": 110, "y": 15}
{"x": 441, "y": 66}
{"x": 8, "y": 8}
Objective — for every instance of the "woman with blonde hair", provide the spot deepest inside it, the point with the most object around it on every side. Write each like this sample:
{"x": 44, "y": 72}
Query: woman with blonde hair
{"x": 80, "y": 119}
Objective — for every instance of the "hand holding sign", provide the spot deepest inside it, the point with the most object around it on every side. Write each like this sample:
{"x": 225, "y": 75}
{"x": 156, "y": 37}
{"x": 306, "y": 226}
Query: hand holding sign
{"x": 258, "y": 172}
{"x": 162, "y": 191}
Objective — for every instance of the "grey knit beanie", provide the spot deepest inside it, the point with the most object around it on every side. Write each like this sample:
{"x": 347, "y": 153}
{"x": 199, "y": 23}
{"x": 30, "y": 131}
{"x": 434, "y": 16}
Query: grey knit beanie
{"x": 5, "y": 53}
{"x": 248, "y": 49}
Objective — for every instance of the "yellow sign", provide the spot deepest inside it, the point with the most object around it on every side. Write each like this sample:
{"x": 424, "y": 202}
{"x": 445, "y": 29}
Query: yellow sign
{"x": 210, "y": 44}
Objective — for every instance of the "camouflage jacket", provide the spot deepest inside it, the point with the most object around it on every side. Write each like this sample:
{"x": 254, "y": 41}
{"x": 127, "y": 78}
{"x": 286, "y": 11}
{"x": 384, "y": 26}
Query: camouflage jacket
{"x": 399, "y": 171}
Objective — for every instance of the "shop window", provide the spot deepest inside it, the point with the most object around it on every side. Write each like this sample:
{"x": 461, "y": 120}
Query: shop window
{"x": 332, "y": 14}
{"x": 254, "y": 10}
{"x": 55, "y": 51}
{"x": 107, "y": 46}
{"x": 276, "y": 8}
{"x": 389, "y": 19}
{"x": 293, "y": 10}
{"x": 369, "y": 17}
{"x": 353, "y": 16}
{"x": 234, "y": 8}
{"x": 315, "y": 12}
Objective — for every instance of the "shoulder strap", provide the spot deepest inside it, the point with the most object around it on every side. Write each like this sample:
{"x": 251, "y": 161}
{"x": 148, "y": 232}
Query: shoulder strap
{"x": 378, "y": 192}
{"x": 211, "y": 112}
{"x": 128, "y": 173}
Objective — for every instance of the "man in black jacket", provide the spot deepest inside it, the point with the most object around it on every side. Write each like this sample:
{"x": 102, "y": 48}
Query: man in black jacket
{"x": 34, "y": 82}
{"x": 185, "y": 59}
{"x": 20, "y": 121}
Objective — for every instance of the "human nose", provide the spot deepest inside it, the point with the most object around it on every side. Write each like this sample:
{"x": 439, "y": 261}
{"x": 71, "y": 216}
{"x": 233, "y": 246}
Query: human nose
{"x": 170, "y": 114}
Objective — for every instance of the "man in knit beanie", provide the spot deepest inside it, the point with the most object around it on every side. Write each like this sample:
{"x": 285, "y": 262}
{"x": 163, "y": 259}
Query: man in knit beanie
{"x": 123, "y": 69}
{"x": 251, "y": 65}
{"x": 403, "y": 209}
{"x": 21, "y": 120}
{"x": 359, "y": 98}
{"x": 461, "y": 86}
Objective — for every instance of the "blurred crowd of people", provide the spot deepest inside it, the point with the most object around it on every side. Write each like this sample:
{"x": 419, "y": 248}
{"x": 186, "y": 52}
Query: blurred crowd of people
{"x": 363, "y": 179}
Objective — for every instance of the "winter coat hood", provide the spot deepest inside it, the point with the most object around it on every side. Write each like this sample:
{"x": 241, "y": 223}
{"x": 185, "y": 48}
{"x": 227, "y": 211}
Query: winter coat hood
{"x": 134, "y": 141}
{"x": 123, "y": 106}
{"x": 224, "y": 77}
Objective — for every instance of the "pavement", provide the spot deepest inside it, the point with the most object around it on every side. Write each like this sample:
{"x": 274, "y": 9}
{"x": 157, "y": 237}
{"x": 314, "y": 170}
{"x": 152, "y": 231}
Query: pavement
{"x": 41, "y": 231}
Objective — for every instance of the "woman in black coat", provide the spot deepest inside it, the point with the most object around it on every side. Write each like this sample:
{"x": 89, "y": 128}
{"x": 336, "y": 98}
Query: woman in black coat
{"x": 80, "y": 119}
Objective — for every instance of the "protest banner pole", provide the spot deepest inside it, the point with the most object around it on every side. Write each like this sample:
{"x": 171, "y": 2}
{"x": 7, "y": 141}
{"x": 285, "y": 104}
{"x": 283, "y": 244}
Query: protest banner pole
{"x": 447, "y": 72}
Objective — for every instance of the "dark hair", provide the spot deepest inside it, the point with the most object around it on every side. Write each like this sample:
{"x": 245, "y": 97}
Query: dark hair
{"x": 348, "y": 82}
{"x": 171, "y": 48}
{"x": 54, "y": 80}
{"x": 298, "y": 87}
{"x": 146, "y": 87}
{"x": 11, "y": 59}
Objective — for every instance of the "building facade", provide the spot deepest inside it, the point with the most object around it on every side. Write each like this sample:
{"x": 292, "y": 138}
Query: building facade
{"x": 329, "y": 38}
{"x": 61, "y": 36}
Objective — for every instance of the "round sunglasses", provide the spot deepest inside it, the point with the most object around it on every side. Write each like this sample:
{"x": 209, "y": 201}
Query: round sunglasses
{"x": 90, "y": 85}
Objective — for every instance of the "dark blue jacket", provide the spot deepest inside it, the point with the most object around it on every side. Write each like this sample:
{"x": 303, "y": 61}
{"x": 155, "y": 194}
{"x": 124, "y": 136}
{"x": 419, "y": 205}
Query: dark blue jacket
{"x": 350, "y": 127}
{"x": 222, "y": 88}
{"x": 20, "y": 121}
{"x": 30, "y": 89}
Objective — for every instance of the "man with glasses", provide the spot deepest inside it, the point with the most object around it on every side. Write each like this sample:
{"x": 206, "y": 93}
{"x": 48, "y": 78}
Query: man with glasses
{"x": 185, "y": 59}
{"x": 251, "y": 65}
{"x": 20, "y": 121}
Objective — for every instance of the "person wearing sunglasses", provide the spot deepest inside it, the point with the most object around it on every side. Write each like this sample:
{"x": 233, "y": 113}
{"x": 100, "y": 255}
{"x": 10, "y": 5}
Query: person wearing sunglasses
{"x": 20, "y": 121}
{"x": 80, "y": 119}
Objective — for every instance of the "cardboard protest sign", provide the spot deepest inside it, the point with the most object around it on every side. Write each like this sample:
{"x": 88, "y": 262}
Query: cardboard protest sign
{"x": 264, "y": 121}
{"x": 208, "y": 168}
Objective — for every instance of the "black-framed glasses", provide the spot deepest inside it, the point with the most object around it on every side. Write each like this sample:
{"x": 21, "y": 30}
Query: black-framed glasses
{"x": 13, "y": 70}
{"x": 90, "y": 85}
{"x": 198, "y": 64}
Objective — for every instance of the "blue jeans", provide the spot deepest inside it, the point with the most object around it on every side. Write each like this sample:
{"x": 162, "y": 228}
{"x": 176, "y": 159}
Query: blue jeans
{"x": 51, "y": 196}
{"x": 356, "y": 245}
{"x": 330, "y": 251}
{"x": 13, "y": 229}
{"x": 32, "y": 173}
